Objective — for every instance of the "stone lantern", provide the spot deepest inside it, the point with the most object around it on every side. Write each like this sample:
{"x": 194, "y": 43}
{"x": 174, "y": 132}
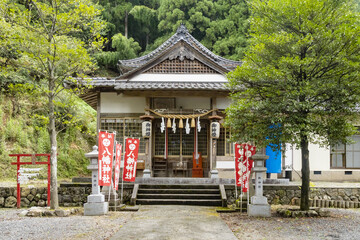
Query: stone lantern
{"x": 146, "y": 132}
{"x": 214, "y": 135}
{"x": 96, "y": 204}
{"x": 259, "y": 206}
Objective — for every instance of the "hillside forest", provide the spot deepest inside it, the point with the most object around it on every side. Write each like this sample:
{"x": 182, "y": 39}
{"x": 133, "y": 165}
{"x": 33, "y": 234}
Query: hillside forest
{"x": 127, "y": 29}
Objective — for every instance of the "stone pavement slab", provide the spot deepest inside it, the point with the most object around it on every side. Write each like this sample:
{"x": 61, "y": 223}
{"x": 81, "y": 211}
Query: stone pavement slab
{"x": 174, "y": 222}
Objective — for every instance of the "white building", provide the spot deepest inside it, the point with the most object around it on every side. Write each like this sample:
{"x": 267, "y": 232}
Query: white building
{"x": 182, "y": 79}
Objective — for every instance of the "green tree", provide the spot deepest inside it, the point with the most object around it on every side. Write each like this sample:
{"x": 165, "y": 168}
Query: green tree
{"x": 125, "y": 49}
{"x": 146, "y": 17}
{"x": 299, "y": 82}
{"x": 44, "y": 31}
{"x": 194, "y": 13}
{"x": 227, "y": 33}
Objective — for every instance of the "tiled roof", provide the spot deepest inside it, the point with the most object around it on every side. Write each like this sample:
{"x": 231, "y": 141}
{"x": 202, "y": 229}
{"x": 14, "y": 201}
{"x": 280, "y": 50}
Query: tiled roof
{"x": 182, "y": 34}
{"x": 215, "y": 86}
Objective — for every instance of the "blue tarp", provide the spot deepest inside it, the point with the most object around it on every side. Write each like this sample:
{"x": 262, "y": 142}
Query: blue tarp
{"x": 273, "y": 164}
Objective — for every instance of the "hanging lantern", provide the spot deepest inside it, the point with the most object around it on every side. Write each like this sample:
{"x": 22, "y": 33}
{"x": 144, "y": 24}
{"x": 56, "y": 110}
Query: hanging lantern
{"x": 168, "y": 123}
{"x": 192, "y": 122}
{"x": 181, "y": 124}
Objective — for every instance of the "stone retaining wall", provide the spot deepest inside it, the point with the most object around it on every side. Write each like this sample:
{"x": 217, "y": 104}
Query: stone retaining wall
{"x": 319, "y": 197}
{"x": 69, "y": 196}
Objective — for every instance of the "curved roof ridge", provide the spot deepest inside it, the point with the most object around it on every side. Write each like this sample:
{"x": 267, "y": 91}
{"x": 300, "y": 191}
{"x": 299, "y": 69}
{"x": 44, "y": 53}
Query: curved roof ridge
{"x": 182, "y": 33}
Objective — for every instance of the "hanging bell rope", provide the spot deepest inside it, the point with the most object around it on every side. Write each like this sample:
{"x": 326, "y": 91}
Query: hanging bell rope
{"x": 181, "y": 124}
{"x": 168, "y": 123}
{"x": 180, "y": 116}
{"x": 192, "y": 122}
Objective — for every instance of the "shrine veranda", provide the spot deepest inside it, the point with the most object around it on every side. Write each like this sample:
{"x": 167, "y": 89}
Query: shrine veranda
{"x": 180, "y": 89}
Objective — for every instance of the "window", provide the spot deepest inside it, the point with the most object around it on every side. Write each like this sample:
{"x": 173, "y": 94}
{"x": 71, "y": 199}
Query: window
{"x": 125, "y": 128}
{"x": 346, "y": 155}
{"x": 224, "y": 147}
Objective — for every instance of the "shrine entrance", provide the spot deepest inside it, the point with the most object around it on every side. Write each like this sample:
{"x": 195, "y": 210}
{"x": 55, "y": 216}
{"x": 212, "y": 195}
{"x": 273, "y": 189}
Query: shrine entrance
{"x": 174, "y": 151}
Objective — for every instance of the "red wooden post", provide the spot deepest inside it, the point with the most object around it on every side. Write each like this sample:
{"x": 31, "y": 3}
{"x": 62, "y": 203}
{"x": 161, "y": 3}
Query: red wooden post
{"x": 48, "y": 189}
{"x": 18, "y": 195}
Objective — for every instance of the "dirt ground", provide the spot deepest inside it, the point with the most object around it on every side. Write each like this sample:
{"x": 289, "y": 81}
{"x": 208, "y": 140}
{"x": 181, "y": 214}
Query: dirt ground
{"x": 342, "y": 224}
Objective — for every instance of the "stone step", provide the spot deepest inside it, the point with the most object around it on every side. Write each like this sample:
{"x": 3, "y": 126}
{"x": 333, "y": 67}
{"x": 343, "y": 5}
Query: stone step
{"x": 178, "y": 186}
{"x": 178, "y": 191}
{"x": 178, "y": 196}
{"x": 197, "y": 202}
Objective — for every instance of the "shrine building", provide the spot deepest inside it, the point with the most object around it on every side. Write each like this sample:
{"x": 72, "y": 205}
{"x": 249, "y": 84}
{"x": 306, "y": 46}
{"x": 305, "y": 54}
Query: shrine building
{"x": 179, "y": 92}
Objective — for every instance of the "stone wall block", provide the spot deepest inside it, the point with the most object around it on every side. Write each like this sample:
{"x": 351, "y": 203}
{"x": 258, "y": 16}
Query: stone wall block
{"x": 76, "y": 198}
{"x": 348, "y": 192}
{"x": 290, "y": 194}
{"x": 351, "y": 204}
{"x": 2, "y": 201}
{"x": 332, "y": 202}
{"x": 10, "y": 202}
{"x": 24, "y": 192}
{"x": 67, "y": 199}
{"x": 41, "y": 203}
{"x": 41, "y": 190}
{"x": 341, "y": 192}
{"x": 44, "y": 196}
{"x": 30, "y": 197}
{"x": 24, "y": 202}
{"x": 33, "y": 204}
{"x": 37, "y": 197}
{"x": 347, "y": 204}
{"x": 33, "y": 191}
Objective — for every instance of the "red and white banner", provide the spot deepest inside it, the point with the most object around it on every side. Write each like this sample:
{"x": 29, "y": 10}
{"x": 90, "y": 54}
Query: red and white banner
{"x": 130, "y": 159}
{"x": 106, "y": 154}
{"x": 117, "y": 166}
{"x": 243, "y": 164}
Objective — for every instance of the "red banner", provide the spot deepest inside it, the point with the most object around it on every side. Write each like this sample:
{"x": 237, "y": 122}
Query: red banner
{"x": 243, "y": 164}
{"x": 106, "y": 154}
{"x": 130, "y": 159}
{"x": 117, "y": 166}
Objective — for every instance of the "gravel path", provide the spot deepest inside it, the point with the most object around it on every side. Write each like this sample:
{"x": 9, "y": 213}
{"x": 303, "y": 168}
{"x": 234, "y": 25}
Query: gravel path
{"x": 73, "y": 227}
{"x": 343, "y": 224}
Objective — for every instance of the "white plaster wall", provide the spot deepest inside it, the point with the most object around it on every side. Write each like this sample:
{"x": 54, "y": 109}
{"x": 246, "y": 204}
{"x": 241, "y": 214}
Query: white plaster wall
{"x": 193, "y": 102}
{"x": 319, "y": 158}
{"x": 113, "y": 103}
{"x": 225, "y": 164}
{"x": 223, "y": 103}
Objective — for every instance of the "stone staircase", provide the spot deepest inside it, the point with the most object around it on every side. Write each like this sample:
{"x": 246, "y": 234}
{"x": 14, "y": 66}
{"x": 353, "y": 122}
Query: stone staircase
{"x": 179, "y": 194}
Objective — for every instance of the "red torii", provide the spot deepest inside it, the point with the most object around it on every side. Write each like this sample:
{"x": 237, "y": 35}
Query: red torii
{"x": 18, "y": 163}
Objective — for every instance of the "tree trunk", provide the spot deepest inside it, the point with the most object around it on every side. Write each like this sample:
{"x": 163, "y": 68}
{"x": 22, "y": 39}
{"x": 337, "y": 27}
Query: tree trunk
{"x": 305, "y": 172}
{"x": 126, "y": 24}
{"x": 54, "y": 202}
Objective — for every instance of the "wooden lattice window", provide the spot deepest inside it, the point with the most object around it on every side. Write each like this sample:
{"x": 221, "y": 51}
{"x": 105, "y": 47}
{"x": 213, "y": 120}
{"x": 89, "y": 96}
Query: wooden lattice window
{"x": 185, "y": 66}
{"x": 125, "y": 128}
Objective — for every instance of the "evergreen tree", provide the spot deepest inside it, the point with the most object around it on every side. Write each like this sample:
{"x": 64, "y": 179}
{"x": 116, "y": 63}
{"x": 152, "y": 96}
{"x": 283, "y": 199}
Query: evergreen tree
{"x": 299, "y": 82}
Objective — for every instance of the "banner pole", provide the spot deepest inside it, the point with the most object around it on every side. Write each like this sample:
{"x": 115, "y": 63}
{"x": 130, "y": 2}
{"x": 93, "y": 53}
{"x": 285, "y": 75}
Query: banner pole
{"x": 115, "y": 198}
{"x": 122, "y": 188}
{"x": 236, "y": 192}
{"x": 248, "y": 178}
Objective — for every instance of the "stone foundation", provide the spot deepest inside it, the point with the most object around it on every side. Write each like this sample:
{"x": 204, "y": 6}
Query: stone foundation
{"x": 71, "y": 195}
